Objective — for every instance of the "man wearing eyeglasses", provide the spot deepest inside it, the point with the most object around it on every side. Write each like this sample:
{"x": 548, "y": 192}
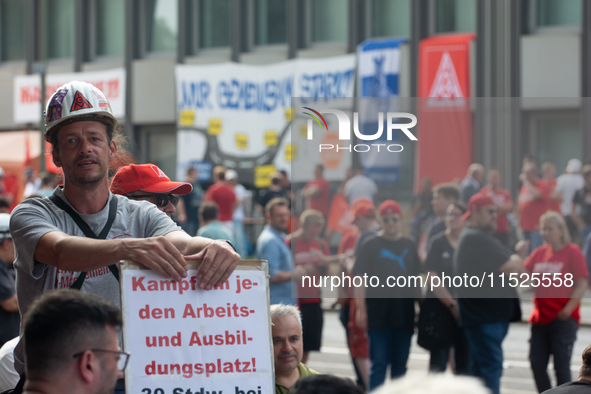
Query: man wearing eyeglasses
{"x": 147, "y": 182}
{"x": 486, "y": 308}
{"x": 71, "y": 344}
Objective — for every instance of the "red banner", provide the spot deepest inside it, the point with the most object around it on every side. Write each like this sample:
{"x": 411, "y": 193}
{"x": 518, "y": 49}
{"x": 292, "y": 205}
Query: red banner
{"x": 445, "y": 118}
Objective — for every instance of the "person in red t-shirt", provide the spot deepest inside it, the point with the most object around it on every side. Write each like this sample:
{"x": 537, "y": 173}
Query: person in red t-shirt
{"x": 222, "y": 194}
{"x": 305, "y": 244}
{"x": 555, "y": 317}
{"x": 549, "y": 174}
{"x": 317, "y": 191}
{"x": 503, "y": 200}
{"x": 534, "y": 201}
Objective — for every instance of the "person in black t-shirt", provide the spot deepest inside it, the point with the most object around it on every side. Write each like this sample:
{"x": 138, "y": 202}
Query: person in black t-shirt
{"x": 581, "y": 386}
{"x": 9, "y": 315}
{"x": 438, "y": 263}
{"x": 387, "y": 313}
{"x": 486, "y": 311}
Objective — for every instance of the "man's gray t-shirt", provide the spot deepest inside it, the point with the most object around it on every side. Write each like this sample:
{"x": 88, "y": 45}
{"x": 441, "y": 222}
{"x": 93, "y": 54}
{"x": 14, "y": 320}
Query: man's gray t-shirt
{"x": 37, "y": 217}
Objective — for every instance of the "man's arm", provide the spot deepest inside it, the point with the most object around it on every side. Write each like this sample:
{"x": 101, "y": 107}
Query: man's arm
{"x": 575, "y": 299}
{"x": 272, "y": 253}
{"x": 513, "y": 265}
{"x": 10, "y": 304}
{"x": 73, "y": 253}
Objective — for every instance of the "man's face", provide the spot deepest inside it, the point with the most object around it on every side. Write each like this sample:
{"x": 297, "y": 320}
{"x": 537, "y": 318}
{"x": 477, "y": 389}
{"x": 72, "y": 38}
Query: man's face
{"x": 279, "y": 218}
{"x": 314, "y": 228}
{"x": 8, "y": 246}
{"x": 391, "y": 224}
{"x": 494, "y": 178}
{"x": 318, "y": 172}
{"x": 109, "y": 364}
{"x": 84, "y": 152}
{"x": 287, "y": 344}
{"x": 440, "y": 204}
{"x": 478, "y": 175}
{"x": 168, "y": 209}
{"x": 485, "y": 218}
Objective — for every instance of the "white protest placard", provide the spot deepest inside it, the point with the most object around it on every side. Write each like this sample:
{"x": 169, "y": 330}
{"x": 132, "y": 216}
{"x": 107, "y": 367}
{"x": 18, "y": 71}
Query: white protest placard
{"x": 239, "y": 115}
{"x": 184, "y": 340}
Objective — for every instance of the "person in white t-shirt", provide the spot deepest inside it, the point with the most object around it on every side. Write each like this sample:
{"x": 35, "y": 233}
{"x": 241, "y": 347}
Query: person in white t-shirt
{"x": 360, "y": 186}
{"x": 238, "y": 216}
{"x": 567, "y": 185}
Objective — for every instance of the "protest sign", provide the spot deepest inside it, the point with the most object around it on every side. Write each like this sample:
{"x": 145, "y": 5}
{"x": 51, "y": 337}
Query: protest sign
{"x": 184, "y": 340}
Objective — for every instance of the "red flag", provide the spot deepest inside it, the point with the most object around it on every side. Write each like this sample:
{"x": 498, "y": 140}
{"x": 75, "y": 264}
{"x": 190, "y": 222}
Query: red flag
{"x": 445, "y": 118}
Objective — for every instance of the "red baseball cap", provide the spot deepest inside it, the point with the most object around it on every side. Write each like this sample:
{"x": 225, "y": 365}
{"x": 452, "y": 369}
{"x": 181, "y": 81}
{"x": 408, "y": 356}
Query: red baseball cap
{"x": 477, "y": 201}
{"x": 390, "y": 207}
{"x": 146, "y": 178}
{"x": 363, "y": 207}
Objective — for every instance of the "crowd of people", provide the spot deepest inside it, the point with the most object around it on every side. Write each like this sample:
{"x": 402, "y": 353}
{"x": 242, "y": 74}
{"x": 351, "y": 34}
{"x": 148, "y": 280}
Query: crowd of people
{"x": 456, "y": 227}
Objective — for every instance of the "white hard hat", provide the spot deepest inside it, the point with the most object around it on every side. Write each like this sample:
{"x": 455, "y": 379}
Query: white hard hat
{"x": 5, "y": 226}
{"x": 76, "y": 101}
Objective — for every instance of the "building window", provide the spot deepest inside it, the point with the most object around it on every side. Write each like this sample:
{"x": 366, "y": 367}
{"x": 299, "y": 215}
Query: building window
{"x": 391, "y": 18}
{"x": 558, "y": 137}
{"x": 58, "y": 35}
{"x": 455, "y": 16}
{"x": 270, "y": 22}
{"x": 161, "y": 25}
{"x": 110, "y": 27}
{"x": 559, "y": 12}
{"x": 214, "y": 23}
{"x": 330, "y": 20}
{"x": 12, "y": 33}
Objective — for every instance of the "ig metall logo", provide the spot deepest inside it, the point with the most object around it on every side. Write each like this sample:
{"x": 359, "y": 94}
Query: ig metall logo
{"x": 392, "y": 124}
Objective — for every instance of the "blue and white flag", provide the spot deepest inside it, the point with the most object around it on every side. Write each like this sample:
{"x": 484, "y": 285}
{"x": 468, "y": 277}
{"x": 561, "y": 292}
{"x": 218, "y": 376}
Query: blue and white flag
{"x": 378, "y": 72}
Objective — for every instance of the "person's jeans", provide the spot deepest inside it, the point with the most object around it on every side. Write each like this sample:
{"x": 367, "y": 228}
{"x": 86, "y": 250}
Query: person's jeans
{"x": 388, "y": 347}
{"x": 439, "y": 358}
{"x": 485, "y": 343}
{"x": 583, "y": 233}
{"x": 534, "y": 238}
{"x": 241, "y": 240}
{"x": 555, "y": 338}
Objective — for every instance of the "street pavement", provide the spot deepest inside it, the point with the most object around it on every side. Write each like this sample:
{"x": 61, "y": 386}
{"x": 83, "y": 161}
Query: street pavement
{"x": 517, "y": 377}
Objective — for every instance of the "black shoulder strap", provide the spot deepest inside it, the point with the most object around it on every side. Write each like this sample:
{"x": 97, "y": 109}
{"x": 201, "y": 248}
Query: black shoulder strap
{"x": 88, "y": 231}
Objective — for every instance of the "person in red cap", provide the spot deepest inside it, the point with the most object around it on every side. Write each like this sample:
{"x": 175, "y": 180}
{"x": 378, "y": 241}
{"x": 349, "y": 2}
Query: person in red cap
{"x": 388, "y": 312}
{"x": 487, "y": 308}
{"x": 364, "y": 212}
{"x": 148, "y": 182}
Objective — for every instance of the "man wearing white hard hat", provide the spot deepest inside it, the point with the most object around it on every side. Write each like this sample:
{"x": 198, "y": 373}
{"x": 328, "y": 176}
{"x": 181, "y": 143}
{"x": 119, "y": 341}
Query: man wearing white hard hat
{"x": 69, "y": 239}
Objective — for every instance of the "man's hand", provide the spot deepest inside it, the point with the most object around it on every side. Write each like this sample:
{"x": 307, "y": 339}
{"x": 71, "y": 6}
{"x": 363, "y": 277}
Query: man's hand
{"x": 158, "y": 254}
{"x": 219, "y": 261}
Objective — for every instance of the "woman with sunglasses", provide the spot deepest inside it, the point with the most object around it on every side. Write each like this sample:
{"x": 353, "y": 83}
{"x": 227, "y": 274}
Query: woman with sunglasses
{"x": 439, "y": 261}
{"x": 385, "y": 304}
{"x": 558, "y": 273}
{"x": 148, "y": 182}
